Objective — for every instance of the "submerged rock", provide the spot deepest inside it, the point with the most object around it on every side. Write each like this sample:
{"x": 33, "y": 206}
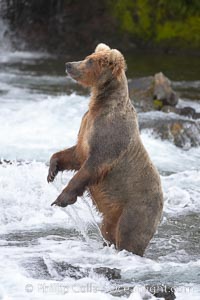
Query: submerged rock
{"x": 162, "y": 291}
{"x": 11, "y": 162}
{"x": 183, "y": 132}
{"x": 152, "y": 93}
{"x": 185, "y": 111}
{"x": 37, "y": 267}
{"x": 109, "y": 273}
{"x": 64, "y": 269}
{"x": 158, "y": 291}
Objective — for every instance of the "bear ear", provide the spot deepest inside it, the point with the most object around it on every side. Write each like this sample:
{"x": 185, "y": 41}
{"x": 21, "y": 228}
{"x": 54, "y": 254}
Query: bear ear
{"x": 116, "y": 62}
{"x": 102, "y": 47}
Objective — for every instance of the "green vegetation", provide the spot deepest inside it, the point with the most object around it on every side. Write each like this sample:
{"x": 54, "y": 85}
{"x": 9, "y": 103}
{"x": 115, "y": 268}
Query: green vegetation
{"x": 158, "y": 104}
{"x": 68, "y": 24}
{"x": 160, "y": 22}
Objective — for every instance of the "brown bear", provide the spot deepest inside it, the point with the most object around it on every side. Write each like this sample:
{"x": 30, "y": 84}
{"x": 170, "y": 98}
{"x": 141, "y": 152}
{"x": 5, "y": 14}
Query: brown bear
{"x": 110, "y": 159}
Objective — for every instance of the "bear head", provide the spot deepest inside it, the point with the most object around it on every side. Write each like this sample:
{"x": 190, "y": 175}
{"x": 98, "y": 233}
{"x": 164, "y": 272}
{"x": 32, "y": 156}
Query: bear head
{"x": 102, "y": 65}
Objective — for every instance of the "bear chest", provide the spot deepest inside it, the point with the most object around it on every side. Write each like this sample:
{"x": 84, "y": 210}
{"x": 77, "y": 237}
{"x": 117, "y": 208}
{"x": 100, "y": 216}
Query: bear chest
{"x": 84, "y": 137}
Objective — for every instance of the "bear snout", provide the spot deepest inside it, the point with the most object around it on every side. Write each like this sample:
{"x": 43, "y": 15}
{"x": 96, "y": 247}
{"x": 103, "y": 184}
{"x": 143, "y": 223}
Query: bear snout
{"x": 68, "y": 67}
{"x": 73, "y": 69}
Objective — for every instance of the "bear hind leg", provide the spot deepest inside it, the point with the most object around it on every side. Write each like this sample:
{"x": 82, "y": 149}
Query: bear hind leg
{"x": 132, "y": 232}
{"x": 108, "y": 231}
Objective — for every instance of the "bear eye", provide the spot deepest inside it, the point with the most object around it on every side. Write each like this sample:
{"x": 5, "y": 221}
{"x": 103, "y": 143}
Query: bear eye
{"x": 90, "y": 61}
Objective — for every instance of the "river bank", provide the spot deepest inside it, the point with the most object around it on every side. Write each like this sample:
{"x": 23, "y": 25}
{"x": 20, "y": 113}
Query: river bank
{"x": 66, "y": 26}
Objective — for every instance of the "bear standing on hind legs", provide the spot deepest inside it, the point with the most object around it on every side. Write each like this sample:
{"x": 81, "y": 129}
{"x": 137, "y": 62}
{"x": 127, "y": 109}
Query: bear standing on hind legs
{"x": 110, "y": 159}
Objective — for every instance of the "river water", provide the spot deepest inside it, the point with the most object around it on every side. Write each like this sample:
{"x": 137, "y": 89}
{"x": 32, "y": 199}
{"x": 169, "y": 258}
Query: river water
{"x": 40, "y": 113}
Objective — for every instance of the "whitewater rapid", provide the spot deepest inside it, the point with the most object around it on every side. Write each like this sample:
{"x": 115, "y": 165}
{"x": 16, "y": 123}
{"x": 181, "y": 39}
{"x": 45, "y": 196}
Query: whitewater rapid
{"x": 36, "y": 119}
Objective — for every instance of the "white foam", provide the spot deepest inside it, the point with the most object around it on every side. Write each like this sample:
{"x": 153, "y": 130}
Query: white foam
{"x": 194, "y": 104}
{"x": 26, "y": 197}
{"x": 169, "y": 158}
{"x": 187, "y": 84}
{"x": 25, "y": 202}
{"x": 34, "y": 129}
{"x": 24, "y": 57}
{"x": 181, "y": 192}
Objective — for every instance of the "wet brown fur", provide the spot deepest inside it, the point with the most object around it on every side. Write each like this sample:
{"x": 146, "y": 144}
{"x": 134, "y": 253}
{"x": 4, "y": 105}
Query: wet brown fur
{"x": 110, "y": 158}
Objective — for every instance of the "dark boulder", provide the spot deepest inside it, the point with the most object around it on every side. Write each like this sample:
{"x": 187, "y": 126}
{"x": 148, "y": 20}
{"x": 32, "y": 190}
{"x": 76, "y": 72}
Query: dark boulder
{"x": 185, "y": 111}
{"x": 109, "y": 273}
{"x": 162, "y": 291}
{"x": 159, "y": 291}
{"x": 189, "y": 112}
{"x": 169, "y": 122}
{"x": 39, "y": 268}
{"x": 163, "y": 90}
{"x": 156, "y": 93}
{"x": 152, "y": 93}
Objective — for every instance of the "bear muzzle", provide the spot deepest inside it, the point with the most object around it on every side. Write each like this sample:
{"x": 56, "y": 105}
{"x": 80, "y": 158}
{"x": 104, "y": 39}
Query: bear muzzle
{"x": 72, "y": 69}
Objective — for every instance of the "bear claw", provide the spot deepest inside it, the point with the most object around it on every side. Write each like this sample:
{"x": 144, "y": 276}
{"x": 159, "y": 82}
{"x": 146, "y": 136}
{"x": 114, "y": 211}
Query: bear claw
{"x": 53, "y": 171}
{"x": 65, "y": 199}
{"x": 51, "y": 176}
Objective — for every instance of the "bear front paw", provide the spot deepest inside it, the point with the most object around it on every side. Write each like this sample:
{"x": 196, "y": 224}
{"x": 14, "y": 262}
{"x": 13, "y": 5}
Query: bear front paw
{"x": 53, "y": 170}
{"x": 64, "y": 199}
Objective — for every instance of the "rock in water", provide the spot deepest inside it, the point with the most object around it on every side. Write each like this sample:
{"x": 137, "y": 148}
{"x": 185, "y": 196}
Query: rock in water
{"x": 111, "y": 274}
{"x": 163, "y": 90}
{"x": 162, "y": 291}
{"x": 152, "y": 93}
{"x": 159, "y": 291}
{"x": 183, "y": 132}
{"x": 64, "y": 269}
